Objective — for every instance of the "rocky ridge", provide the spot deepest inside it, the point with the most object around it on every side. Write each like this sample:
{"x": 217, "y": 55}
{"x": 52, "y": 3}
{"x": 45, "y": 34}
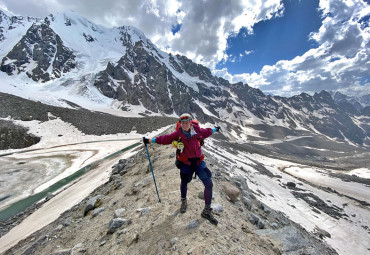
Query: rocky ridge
{"x": 43, "y": 47}
{"x": 123, "y": 216}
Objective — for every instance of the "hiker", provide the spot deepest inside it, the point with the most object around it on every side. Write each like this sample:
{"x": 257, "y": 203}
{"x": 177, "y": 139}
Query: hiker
{"x": 188, "y": 135}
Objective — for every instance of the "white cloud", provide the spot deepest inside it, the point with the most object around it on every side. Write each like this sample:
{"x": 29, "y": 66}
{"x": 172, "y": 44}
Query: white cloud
{"x": 206, "y": 24}
{"x": 339, "y": 63}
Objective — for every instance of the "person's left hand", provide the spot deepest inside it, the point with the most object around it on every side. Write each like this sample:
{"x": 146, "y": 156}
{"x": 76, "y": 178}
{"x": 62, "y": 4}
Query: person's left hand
{"x": 217, "y": 128}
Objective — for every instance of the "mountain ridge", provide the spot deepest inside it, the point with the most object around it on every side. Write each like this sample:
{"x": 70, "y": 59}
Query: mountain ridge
{"x": 122, "y": 69}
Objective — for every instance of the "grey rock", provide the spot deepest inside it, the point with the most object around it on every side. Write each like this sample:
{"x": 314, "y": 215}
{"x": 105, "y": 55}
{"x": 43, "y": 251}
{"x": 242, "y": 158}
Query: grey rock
{"x": 293, "y": 241}
{"x": 201, "y": 195}
{"x": 118, "y": 213}
{"x": 97, "y": 211}
{"x": 63, "y": 252}
{"x": 247, "y": 202}
{"x": 291, "y": 185}
{"x": 144, "y": 211}
{"x": 254, "y": 218}
{"x": 260, "y": 224}
{"x": 67, "y": 222}
{"x": 114, "y": 178}
{"x": 146, "y": 181}
{"x": 174, "y": 241}
{"x": 217, "y": 208}
{"x": 92, "y": 203}
{"x": 59, "y": 227}
{"x": 265, "y": 208}
{"x": 115, "y": 224}
{"x": 192, "y": 225}
{"x": 274, "y": 225}
{"x": 31, "y": 250}
{"x": 78, "y": 249}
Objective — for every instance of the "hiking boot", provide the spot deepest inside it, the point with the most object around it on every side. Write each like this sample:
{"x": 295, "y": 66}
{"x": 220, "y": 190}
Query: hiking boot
{"x": 207, "y": 214}
{"x": 183, "y": 205}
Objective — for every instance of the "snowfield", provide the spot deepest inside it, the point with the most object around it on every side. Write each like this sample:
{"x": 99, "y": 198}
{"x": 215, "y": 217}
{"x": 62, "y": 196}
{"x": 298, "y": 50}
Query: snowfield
{"x": 349, "y": 234}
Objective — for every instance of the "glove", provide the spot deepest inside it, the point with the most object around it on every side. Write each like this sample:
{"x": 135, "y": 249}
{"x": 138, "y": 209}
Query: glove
{"x": 217, "y": 128}
{"x": 145, "y": 141}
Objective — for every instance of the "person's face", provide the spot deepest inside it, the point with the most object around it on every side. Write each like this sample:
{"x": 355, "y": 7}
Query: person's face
{"x": 185, "y": 125}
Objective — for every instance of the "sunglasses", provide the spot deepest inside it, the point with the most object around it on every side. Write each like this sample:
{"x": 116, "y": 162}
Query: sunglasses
{"x": 185, "y": 118}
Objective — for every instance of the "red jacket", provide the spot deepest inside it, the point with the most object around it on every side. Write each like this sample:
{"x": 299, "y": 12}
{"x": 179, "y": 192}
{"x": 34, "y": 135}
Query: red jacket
{"x": 191, "y": 146}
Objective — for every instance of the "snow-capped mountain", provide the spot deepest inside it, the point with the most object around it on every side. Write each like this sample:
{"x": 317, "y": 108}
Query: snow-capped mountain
{"x": 67, "y": 57}
{"x": 358, "y": 102}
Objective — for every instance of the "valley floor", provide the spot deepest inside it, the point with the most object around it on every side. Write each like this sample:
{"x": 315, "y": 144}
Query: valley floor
{"x": 325, "y": 205}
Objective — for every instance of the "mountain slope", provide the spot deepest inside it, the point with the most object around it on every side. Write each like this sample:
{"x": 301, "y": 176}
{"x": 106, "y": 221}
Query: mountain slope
{"x": 119, "y": 70}
{"x": 150, "y": 227}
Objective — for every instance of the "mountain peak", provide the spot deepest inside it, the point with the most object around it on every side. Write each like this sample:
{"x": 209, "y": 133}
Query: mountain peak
{"x": 5, "y": 12}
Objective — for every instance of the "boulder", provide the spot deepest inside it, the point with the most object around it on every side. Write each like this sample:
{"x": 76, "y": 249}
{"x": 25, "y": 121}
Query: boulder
{"x": 115, "y": 224}
{"x": 291, "y": 185}
{"x": 247, "y": 202}
{"x": 92, "y": 203}
{"x": 231, "y": 191}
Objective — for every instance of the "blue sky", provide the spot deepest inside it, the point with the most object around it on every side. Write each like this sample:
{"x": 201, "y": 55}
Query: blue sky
{"x": 282, "y": 47}
{"x": 281, "y": 38}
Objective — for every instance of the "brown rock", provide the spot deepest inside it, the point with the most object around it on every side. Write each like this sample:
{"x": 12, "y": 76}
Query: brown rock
{"x": 231, "y": 191}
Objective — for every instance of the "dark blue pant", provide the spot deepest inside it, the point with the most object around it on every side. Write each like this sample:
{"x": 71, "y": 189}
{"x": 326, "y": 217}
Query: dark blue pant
{"x": 204, "y": 174}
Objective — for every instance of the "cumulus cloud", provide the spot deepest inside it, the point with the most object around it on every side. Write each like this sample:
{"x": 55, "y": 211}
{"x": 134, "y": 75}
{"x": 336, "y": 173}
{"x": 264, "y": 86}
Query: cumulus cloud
{"x": 205, "y": 25}
{"x": 341, "y": 62}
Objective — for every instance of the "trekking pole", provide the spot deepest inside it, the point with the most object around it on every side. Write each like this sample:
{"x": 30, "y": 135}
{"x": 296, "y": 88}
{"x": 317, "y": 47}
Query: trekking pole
{"x": 151, "y": 168}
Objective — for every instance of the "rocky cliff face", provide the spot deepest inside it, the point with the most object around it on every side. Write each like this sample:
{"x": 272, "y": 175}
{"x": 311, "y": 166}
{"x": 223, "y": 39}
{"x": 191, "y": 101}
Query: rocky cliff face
{"x": 40, "y": 54}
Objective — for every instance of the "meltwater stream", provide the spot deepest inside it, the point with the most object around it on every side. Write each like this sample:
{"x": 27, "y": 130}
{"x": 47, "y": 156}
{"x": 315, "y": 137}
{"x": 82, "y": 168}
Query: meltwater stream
{"x": 23, "y": 204}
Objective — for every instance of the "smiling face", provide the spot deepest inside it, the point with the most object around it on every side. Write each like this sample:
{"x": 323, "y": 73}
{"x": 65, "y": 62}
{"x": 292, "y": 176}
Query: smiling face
{"x": 185, "y": 125}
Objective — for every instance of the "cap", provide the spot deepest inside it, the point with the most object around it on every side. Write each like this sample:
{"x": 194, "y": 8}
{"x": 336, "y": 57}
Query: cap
{"x": 185, "y": 117}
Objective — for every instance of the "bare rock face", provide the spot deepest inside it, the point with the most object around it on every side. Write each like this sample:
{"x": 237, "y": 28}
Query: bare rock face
{"x": 40, "y": 53}
{"x": 15, "y": 137}
{"x": 231, "y": 191}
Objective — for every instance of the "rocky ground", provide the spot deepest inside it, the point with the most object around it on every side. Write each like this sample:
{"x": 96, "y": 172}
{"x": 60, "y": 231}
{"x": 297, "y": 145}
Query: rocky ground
{"x": 13, "y": 136}
{"x": 123, "y": 216}
{"x": 88, "y": 122}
